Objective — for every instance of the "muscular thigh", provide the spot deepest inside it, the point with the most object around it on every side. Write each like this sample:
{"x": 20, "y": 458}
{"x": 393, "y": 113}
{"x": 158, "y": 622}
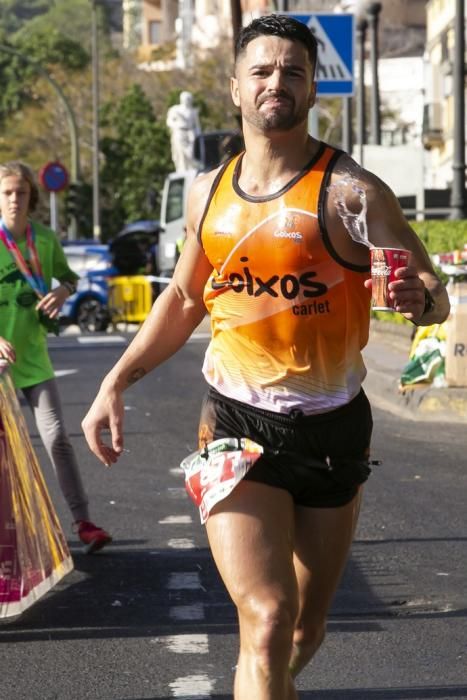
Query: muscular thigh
{"x": 323, "y": 537}
{"x": 251, "y": 535}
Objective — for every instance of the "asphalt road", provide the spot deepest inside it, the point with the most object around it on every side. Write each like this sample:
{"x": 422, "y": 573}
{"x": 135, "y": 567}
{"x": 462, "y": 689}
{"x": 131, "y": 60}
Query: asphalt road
{"x": 149, "y": 617}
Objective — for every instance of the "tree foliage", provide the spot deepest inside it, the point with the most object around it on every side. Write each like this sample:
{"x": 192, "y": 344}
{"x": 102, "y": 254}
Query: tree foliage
{"x": 134, "y": 141}
{"x": 136, "y": 159}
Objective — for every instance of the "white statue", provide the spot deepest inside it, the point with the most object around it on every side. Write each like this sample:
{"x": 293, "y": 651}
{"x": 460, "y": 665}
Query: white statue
{"x": 183, "y": 122}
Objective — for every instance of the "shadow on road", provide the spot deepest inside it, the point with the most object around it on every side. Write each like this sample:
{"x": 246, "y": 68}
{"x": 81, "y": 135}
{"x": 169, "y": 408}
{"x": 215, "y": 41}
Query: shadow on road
{"x": 126, "y": 591}
{"x": 416, "y": 693}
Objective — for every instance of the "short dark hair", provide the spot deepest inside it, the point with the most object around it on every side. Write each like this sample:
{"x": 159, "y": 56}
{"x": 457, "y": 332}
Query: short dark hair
{"x": 282, "y": 26}
{"x": 19, "y": 169}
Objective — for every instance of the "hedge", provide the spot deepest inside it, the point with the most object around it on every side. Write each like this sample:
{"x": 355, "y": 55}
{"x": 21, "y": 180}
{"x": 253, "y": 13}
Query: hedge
{"x": 441, "y": 236}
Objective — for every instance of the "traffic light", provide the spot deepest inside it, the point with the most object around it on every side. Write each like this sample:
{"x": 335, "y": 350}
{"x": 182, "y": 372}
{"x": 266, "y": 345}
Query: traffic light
{"x": 78, "y": 208}
{"x": 72, "y": 201}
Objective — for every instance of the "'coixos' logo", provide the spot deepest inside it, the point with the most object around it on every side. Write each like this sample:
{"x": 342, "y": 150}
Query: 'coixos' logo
{"x": 294, "y": 235}
{"x": 288, "y": 286}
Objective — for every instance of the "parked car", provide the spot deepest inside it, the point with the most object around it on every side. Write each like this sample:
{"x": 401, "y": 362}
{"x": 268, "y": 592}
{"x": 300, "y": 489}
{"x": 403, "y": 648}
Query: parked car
{"x": 88, "y": 307}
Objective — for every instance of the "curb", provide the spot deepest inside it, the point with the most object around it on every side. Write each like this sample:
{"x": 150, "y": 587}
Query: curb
{"x": 385, "y": 356}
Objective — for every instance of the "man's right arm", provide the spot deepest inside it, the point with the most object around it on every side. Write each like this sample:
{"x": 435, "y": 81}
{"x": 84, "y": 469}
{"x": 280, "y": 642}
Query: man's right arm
{"x": 173, "y": 317}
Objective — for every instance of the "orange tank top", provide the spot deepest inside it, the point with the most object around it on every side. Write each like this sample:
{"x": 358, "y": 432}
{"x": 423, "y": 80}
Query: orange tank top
{"x": 288, "y": 316}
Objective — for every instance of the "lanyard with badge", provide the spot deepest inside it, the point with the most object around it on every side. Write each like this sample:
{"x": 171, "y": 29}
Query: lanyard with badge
{"x": 34, "y": 277}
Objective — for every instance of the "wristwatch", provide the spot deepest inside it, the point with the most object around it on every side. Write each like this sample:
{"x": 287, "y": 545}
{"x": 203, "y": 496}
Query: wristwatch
{"x": 429, "y": 302}
{"x": 69, "y": 286}
{"x": 429, "y": 306}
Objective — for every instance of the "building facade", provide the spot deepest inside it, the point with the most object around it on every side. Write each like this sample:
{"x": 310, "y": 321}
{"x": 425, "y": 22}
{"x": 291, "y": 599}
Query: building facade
{"x": 438, "y": 126}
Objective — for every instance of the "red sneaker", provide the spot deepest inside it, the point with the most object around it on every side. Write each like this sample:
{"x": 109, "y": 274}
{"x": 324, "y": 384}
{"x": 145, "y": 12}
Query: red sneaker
{"x": 92, "y": 536}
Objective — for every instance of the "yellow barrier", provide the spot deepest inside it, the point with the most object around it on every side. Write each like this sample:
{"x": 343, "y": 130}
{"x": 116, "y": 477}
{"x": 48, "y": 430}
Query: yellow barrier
{"x": 130, "y": 298}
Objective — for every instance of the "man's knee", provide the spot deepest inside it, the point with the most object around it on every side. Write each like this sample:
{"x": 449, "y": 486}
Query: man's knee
{"x": 269, "y": 625}
{"x": 306, "y": 642}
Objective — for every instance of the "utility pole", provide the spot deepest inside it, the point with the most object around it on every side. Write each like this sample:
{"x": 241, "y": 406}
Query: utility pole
{"x": 184, "y": 26}
{"x": 373, "y": 11}
{"x": 458, "y": 199}
{"x": 95, "y": 125}
{"x": 236, "y": 12}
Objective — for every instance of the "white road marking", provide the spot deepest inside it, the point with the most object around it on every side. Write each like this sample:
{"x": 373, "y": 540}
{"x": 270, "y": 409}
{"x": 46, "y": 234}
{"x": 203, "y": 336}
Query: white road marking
{"x": 100, "y": 339}
{"x": 192, "y": 687}
{"x": 65, "y": 372}
{"x": 184, "y": 581}
{"x": 187, "y": 612}
{"x": 181, "y": 543}
{"x": 187, "y": 643}
{"x": 177, "y": 491}
{"x": 176, "y": 520}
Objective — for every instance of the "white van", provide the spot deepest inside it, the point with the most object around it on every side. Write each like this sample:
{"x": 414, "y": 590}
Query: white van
{"x": 210, "y": 149}
{"x": 173, "y": 209}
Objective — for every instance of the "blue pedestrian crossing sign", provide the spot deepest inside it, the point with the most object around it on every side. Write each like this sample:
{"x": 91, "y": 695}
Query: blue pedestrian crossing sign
{"x": 335, "y": 35}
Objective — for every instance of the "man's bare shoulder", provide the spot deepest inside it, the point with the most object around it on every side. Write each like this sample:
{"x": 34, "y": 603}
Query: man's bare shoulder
{"x": 199, "y": 194}
{"x": 348, "y": 170}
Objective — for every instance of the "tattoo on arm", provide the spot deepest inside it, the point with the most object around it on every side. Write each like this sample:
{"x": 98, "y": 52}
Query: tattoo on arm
{"x": 135, "y": 375}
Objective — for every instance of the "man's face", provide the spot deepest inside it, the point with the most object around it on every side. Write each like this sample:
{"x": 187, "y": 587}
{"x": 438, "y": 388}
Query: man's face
{"x": 15, "y": 193}
{"x": 273, "y": 84}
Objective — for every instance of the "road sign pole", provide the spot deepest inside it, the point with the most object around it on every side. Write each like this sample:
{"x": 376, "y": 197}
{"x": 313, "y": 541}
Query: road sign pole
{"x": 53, "y": 177}
{"x": 347, "y": 124}
{"x": 53, "y": 212}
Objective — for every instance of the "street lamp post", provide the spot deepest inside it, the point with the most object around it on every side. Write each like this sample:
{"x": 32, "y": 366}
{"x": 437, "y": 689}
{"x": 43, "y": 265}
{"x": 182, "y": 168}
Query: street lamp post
{"x": 236, "y": 12}
{"x": 373, "y": 11}
{"x": 362, "y": 25}
{"x": 95, "y": 125}
{"x": 458, "y": 198}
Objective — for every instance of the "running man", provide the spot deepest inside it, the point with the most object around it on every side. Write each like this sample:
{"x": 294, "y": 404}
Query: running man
{"x": 287, "y": 288}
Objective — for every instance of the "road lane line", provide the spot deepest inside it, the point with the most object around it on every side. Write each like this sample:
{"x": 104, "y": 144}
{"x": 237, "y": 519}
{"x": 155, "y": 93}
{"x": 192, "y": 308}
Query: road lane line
{"x": 184, "y": 581}
{"x": 176, "y": 520}
{"x": 186, "y": 613}
{"x": 100, "y": 339}
{"x": 187, "y": 643}
{"x": 192, "y": 687}
{"x": 181, "y": 543}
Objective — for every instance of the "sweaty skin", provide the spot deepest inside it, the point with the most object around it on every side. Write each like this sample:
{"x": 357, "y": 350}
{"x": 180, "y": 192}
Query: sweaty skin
{"x": 281, "y": 562}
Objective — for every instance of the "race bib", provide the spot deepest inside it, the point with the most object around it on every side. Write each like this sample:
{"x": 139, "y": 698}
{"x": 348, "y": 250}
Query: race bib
{"x": 212, "y": 473}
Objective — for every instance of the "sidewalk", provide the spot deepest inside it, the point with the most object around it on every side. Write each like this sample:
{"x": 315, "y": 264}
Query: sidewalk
{"x": 385, "y": 355}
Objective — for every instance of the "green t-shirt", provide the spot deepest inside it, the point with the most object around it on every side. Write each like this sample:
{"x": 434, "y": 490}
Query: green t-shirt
{"x": 19, "y": 320}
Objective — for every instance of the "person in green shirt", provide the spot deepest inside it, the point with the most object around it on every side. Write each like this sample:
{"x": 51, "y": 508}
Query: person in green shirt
{"x": 30, "y": 257}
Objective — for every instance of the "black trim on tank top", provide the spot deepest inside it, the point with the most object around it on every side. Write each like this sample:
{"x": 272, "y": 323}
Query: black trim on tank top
{"x": 291, "y": 183}
{"x": 324, "y": 232}
{"x": 211, "y": 195}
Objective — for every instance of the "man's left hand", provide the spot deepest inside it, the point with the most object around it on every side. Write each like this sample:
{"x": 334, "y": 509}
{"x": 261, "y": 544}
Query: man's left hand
{"x": 407, "y": 293}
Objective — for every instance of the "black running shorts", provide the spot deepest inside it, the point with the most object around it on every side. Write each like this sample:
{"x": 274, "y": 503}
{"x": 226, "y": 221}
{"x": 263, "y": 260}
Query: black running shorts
{"x": 340, "y": 440}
